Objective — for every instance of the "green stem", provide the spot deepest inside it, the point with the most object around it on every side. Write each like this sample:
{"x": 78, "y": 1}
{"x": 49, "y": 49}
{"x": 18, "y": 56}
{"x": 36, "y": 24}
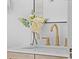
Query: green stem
{"x": 34, "y": 38}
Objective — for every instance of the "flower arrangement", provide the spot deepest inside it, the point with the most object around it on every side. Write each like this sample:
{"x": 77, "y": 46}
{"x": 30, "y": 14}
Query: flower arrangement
{"x": 35, "y": 23}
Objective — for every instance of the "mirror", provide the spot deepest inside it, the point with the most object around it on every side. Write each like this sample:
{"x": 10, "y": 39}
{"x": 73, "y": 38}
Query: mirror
{"x": 54, "y": 10}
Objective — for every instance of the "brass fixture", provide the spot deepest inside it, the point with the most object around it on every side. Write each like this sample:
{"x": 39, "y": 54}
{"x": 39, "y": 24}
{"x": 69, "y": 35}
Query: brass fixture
{"x": 56, "y": 34}
{"x": 47, "y": 41}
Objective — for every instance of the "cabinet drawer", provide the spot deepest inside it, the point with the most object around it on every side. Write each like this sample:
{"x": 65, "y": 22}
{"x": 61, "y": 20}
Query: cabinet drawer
{"x": 12, "y": 55}
{"x": 48, "y": 57}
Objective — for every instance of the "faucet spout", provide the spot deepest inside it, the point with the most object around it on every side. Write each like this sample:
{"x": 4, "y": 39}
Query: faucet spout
{"x": 56, "y": 34}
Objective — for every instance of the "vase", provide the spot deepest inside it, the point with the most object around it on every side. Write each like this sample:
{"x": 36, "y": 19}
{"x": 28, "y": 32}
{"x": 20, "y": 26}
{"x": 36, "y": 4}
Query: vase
{"x": 34, "y": 40}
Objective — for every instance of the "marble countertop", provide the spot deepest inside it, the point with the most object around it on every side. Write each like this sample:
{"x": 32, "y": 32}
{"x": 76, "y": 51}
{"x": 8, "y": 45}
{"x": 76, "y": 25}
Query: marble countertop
{"x": 54, "y": 51}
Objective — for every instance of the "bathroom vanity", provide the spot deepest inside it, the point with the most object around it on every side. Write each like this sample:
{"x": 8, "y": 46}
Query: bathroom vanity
{"x": 38, "y": 53}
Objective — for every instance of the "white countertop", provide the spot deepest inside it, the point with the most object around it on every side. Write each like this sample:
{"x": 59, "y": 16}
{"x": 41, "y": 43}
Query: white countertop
{"x": 54, "y": 51}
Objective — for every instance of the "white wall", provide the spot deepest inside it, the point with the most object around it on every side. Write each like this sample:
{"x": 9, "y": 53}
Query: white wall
{"x": 70, "y": 22}
{"x": 17, "y": 34}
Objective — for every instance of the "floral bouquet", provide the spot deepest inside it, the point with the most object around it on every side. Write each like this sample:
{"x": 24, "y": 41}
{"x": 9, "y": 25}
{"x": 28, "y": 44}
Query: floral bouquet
{"x": 35, "y": 24}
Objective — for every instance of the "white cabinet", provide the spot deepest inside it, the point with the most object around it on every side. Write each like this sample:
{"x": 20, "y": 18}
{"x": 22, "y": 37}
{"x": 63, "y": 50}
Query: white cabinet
{"x": 56, "y": 10}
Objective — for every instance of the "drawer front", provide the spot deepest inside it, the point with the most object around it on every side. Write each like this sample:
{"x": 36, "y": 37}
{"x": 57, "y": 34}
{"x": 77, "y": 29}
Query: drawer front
{"x": 48, "y": 57}
{"x": 12, "y": 55}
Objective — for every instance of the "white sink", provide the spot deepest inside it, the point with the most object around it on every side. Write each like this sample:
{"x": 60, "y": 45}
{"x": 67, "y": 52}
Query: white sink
{"x": 48, "y": 49}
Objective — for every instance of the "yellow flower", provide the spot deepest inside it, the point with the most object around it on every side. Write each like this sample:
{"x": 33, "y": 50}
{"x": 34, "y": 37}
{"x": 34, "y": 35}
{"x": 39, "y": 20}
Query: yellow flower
{"x": 39, "y": 19}
{"x": 36, "y": 27}
{"x": 31, "y": 17}
{"x": 37, "y": 24}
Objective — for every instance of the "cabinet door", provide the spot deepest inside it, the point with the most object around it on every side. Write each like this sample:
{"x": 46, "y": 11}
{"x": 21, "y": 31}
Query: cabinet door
{"x": 12, "y": 55}
{"x": 55, "y": 10}
{"x": 49, "y": 57}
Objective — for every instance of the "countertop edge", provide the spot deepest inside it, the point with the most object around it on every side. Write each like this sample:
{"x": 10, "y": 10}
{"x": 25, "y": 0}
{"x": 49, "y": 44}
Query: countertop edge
{"x": 38, "y": 53}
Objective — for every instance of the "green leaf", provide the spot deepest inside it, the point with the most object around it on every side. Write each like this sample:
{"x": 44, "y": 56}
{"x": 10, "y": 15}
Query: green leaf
{"x": 26, "y": 22}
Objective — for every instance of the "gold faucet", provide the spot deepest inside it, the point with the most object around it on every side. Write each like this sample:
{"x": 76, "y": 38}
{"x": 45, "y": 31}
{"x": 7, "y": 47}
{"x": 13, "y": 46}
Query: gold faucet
{"x": 56, "y": 34}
